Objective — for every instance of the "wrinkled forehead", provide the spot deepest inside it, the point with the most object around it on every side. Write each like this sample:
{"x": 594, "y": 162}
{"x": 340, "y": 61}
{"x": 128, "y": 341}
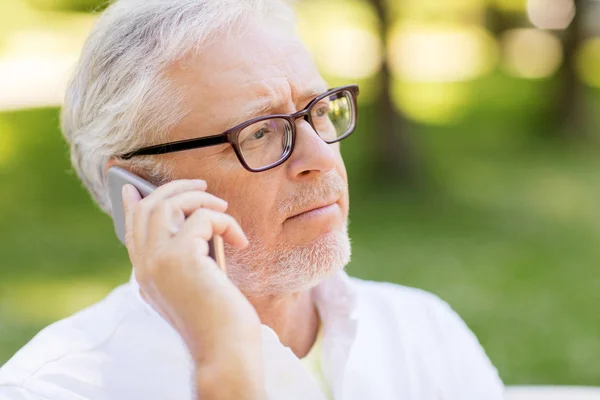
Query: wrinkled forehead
{"x": 263, "y": 70}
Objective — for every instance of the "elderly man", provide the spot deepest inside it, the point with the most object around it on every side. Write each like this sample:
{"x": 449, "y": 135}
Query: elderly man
{"x": 219, "y": 103}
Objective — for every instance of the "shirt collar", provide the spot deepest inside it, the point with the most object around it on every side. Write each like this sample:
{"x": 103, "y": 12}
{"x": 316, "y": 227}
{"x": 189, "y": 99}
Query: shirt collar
{"x": 336, "y": 297}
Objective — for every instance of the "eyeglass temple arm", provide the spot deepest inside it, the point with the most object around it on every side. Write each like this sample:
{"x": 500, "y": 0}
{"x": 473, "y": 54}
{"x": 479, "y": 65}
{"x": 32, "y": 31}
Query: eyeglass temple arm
{"x": 180, "y": 145}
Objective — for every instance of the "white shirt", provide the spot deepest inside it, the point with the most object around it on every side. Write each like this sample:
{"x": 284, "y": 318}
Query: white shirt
{"x": 380, "y": 341}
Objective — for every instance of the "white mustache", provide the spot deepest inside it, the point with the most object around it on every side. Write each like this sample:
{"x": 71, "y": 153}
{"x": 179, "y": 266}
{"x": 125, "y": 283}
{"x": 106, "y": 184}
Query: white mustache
{"x": 330, "y": 186}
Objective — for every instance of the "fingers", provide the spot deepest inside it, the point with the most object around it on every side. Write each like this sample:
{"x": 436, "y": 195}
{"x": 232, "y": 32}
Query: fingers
{"x": 205, "y": 223}
{"x": 191, "y": 201}
{"x": 153, "y": 204}
{"x": 173, "y": 188}
{"x": 160, "y": 217}
{"x": 167, "y": 217}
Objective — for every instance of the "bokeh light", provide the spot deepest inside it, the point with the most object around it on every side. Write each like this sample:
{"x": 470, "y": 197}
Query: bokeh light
{"x": 432, "y": 103}
{"x": 35, "y": 61}
{"x": 33, "y": 81}
{"x": 531, "y": 53}
{"x": 343, "y": 37}
{"x": 551, "y": 14}
{"x": 421, "y": 53}
{"x": 349, "y": 52}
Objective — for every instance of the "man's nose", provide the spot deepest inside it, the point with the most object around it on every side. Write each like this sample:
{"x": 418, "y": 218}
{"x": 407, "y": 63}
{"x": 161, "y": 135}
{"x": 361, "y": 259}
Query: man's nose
{"x": 311, "y": 155}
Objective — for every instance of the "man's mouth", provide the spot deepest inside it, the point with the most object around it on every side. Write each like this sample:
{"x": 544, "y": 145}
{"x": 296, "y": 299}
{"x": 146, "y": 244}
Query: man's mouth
{"x": 316, "y": 209}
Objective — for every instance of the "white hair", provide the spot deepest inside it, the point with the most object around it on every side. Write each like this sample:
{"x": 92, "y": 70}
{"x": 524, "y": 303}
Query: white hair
{"x": 119, "y": 99}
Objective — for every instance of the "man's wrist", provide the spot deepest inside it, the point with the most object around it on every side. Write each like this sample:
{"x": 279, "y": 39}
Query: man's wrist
{"x": 230, "y": 377}
{"x": 212, "y": 347}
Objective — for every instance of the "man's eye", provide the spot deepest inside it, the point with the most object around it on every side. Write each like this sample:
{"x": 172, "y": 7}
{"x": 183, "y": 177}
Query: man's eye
{"x": 259, "y": 134}
{"x": 322, "y": 111}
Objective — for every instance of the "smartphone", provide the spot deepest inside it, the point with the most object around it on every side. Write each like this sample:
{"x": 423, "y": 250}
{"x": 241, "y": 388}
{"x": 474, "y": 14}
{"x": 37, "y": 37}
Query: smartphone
{"x": 117, "y": 178}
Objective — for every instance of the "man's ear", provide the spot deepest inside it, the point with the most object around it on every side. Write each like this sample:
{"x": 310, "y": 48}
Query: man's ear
{"x": 115, "y": 162}
{"x": 112, "y": 162}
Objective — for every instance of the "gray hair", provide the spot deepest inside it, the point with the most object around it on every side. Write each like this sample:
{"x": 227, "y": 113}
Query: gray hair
{"x": 119, "y": 99}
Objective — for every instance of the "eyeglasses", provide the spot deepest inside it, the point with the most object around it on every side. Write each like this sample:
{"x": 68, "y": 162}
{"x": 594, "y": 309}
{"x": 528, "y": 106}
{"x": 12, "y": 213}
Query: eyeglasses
{"x": 266, "y": 142}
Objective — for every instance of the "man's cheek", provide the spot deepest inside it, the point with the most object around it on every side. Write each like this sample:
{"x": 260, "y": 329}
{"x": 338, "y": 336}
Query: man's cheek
{"x": 251, "y": 221}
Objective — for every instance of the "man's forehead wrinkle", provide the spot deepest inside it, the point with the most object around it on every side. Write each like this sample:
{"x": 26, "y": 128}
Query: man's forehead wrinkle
{"x": 269, "y": 94}
{"x": 255, "y": 98}
{"x": 298, "y": 69}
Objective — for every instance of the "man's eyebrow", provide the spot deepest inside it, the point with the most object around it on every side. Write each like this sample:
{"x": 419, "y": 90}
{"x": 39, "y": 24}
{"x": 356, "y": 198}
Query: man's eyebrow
{"x": 264, "y": 105}
{"x": 312, "y": 92}
{"x": 261, "y": 108}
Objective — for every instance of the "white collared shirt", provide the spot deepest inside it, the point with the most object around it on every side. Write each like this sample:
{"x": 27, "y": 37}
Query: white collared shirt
{"x": 380, "y": 341}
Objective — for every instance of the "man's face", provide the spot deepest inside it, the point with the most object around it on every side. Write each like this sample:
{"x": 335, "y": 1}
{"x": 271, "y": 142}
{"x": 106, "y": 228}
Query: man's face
{"x": 265, "y": 71}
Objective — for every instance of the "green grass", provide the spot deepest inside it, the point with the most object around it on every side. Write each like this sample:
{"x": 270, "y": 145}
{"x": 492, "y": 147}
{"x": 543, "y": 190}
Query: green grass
{"x": 503, "y": 224}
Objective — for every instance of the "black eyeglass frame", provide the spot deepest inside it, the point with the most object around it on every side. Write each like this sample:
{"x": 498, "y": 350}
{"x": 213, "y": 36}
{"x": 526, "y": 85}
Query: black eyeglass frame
{"x": 231, "y": 135}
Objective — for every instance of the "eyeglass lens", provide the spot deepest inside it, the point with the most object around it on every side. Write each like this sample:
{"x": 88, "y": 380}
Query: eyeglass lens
{"x": 270, "y": 140}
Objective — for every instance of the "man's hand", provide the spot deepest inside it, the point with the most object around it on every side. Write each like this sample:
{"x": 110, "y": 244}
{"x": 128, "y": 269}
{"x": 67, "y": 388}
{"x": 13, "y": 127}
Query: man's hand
{"x": 167, "y": 239}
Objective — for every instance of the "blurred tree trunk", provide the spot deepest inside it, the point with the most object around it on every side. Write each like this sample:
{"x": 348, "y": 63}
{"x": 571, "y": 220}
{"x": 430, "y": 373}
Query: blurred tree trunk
{"x": 570, "y": 102}
{"x": 394, "y": 157}
{"x": 568, "y": 109}
{"x": 497, "y": 21}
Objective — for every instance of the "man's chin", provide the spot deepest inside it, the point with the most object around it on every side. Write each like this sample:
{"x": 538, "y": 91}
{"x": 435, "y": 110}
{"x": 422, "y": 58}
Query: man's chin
{"x": 319, "y": 260}
{"x": 291, "y": 269}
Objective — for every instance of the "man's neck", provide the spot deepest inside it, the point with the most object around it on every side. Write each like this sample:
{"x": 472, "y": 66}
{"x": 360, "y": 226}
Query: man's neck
{"x": 293, "y": 317}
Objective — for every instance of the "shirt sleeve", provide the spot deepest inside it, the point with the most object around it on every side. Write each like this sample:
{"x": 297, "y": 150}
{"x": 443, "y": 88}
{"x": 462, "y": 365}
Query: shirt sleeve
{"x": 476, "y": 377}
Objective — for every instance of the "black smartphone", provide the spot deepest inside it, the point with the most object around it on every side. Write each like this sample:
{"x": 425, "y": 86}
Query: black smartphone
{"x": 117, "y": 178}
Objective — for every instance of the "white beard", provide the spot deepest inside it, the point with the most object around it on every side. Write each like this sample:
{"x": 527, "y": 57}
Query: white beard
{"x": 260, "y": 271}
